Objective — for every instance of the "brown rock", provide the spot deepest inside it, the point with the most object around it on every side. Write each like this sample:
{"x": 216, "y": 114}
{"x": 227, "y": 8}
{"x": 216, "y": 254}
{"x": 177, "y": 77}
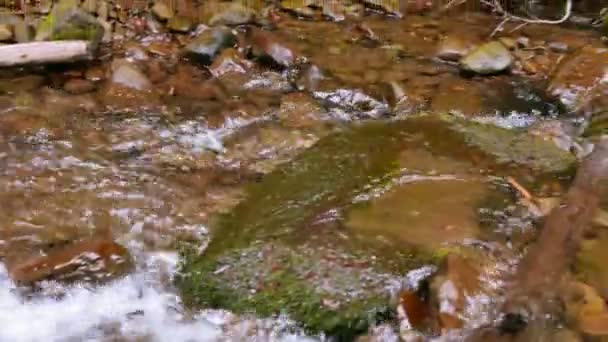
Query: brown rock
{"x": 78, "y": 86}
{"x": 454, "y": 47}
{"x": 456, "y": 280}
{"x": 299, "y": 110}
{"x": 229, "y": 61}
{"x": 156, "y": 71}
{"x": 87, "y": 259}
{"x": 580, "y": 82}
{"x": 95, "y": 74}
{"x": 266, "y": 45}
{"x": 128, "y": 75}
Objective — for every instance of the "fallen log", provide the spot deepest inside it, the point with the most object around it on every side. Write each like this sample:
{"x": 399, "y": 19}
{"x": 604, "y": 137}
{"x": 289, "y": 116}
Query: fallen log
{"x": 63, "y": 51}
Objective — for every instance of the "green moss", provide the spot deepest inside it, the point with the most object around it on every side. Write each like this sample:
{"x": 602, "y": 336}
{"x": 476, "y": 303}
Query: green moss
{"x": 269, "y": 255}
{"x": 279, "y": 286}
{"x": 66, "y": 21}
{"x": 512, "y": 146}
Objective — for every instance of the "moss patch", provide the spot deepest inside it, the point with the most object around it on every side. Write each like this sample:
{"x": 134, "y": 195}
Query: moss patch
{"x": 284, "y": 249}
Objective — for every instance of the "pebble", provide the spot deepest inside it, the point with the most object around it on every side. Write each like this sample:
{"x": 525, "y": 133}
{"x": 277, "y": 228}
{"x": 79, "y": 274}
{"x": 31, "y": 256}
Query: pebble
{"x": 558, "y": 47}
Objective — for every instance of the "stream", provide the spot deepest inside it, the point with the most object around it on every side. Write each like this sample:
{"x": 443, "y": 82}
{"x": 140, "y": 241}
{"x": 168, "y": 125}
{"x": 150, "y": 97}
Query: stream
{"x": 304, "y": 173}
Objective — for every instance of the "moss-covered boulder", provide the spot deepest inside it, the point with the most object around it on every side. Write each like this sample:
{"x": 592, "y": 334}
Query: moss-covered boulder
{"x": 67, "y": 21}
{"x": 287, "y": 248}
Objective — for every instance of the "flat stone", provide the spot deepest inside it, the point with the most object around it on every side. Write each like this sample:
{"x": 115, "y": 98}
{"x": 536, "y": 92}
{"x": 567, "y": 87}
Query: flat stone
{"x": 128, "y": 75}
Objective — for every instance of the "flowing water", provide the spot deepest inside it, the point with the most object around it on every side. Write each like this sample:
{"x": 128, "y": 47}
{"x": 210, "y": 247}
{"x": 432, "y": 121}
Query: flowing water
{"x": 153, "y": 179}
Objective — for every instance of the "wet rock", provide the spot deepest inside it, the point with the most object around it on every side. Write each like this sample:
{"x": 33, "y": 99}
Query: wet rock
{"x": 78, "y": 86}
{"x": 5, "y": 33}
{"x": 95, "y": 74}
{"x": 559, "y": 47}
{"x": 508, "y": 42}
{"x": 66, "y": 22}
{"x": 489, "y": 58}
{"x": 457, "y": 95}
{"x": 514, "y": 147}
{"x": 456, "y": 282}
{"x": 103, "y": 11}
{"x": 229, "y": 61}
{"x": 346, "y": 104}
{"x": 454, "y": 47}
{"x": 156, "y": 71}
{"x": 334, "y": 10}
{"x": 162, "y": 11}
{"x": 263, "y": 148}
{"x": 21, "y": 84}
{"x": 90, "y": 6}
{"x": 128, "y": 75}
{"x": 523, "y": 42}
{"x": 23, "y": 32}
{"x": 316, "y": 281}
{"x": 580, "y": 82}
{"x": 95, "y": 260}
{"x": 267, "y": 47}
{"x": 586, "y": 309}
{"x": 269, "y": 80}
{"x": 299, "y": 110}
{"x": 232, "y": 15}
{"x": 210, "y": 43}
{"x": 180, "y": 24}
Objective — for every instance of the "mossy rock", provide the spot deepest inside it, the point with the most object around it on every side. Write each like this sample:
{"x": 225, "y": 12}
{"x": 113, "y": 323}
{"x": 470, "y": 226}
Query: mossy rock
{"x": 282, "y": 251}
{"x": 514, "y": 146}
{"x": 68, "y": 22}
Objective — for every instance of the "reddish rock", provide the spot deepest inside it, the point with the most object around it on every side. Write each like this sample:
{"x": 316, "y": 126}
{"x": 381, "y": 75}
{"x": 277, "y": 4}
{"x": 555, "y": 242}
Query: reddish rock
{"x": 581, "y": 81}
{"x": 84, "y": 260}
{"x": 268, "y": 46}
{"x": 78, "y": 86}
{"x": 94, "y": 74}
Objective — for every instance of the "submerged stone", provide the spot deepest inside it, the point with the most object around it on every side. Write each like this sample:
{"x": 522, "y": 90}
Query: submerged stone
{"x": 580, "y": 82}
{"x": 286, "y": 248}
{"x": 95, "y": 260}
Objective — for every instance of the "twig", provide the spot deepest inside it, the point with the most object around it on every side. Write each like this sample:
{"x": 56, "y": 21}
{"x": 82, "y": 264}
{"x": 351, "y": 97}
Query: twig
{"x": 497, "y": 7}
{"x": 520, "y": 188}
{"x": 499, "y": 27}
{"x": 453, "y": 3}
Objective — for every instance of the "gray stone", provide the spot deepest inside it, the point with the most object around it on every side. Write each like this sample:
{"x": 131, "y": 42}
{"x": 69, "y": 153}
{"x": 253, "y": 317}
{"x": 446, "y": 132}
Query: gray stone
{"x": 490, "y": 58}
{"x": 210, "y": 43}
{"x": 128, "y": 75}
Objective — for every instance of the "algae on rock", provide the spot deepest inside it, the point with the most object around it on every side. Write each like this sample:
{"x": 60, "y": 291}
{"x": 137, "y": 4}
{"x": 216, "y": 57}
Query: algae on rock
{"x": 67, "y": 21}
{"x": 285, "y": 249}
